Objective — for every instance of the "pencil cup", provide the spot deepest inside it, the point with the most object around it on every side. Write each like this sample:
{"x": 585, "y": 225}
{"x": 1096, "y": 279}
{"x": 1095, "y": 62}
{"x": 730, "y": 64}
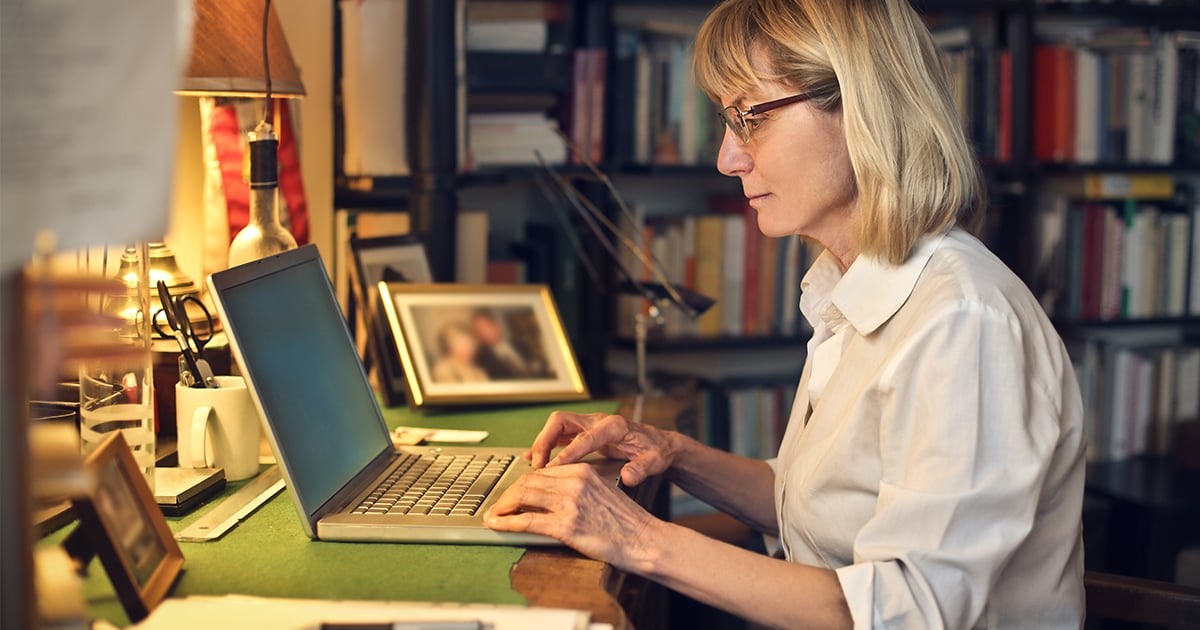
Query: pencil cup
{"x": 218, "y": 428}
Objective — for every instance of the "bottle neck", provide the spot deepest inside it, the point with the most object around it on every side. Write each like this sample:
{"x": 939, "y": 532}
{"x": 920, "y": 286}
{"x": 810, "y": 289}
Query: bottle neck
{"x": 264, "y": 176}
{"x": 264, "y": 209}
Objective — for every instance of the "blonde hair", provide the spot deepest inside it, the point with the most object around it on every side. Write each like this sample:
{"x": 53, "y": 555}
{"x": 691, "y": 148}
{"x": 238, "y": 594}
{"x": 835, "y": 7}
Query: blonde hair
{"x": 914, "y": 167}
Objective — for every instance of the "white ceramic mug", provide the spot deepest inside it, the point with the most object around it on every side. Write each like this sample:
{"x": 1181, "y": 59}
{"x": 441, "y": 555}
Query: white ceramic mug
{"x": 218, "y": 428}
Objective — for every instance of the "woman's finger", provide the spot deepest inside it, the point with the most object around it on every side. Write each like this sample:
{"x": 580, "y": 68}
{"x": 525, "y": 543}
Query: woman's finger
{"x": 542, "y": 490}
{"x": 527, "y": 522}
{"x": 560, "y": 427}
{"x": 609, "y": 430}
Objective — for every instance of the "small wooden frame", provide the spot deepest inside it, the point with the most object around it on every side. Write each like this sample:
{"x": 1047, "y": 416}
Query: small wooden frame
{"x": 479, "y": 344}
{"x": 120, "y": 522}
{"x": 385, "y": 259}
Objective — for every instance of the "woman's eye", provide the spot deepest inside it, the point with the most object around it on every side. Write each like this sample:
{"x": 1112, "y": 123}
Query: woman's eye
{"x": 753, "y": 123}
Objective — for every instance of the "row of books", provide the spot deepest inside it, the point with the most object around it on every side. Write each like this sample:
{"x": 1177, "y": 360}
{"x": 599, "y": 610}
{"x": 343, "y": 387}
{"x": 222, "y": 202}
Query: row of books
{"x": 1135, "y": 395}
{"x": 1123, "y": 95}
{"x": 981, "y": 81}
{"x": 755, "y": 280}
{"x": 747, "y": 421}
{"x": 663, "y": 117}
{"x": 497, "y": 139}
{"x": 512, "y": 26}
{"x": 1121, "y": 260}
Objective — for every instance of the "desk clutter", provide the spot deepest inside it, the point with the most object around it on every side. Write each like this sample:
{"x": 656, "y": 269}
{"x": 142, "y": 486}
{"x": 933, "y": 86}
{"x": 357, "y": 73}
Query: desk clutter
{"x": 238, "y": 611}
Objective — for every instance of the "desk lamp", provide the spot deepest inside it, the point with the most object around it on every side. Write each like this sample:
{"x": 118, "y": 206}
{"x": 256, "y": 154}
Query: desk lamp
{"x": 239, "y": 50}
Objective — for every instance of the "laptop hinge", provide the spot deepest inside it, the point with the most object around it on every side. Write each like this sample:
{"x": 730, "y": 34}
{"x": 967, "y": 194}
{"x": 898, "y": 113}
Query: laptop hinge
{"x": 356, "y": 485}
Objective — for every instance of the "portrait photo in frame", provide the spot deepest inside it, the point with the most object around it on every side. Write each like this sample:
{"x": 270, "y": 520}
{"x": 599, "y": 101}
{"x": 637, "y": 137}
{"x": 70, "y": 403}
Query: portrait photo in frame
{"x": 480, "y": 344}
{"x": 120, "y": 522}
{"x": 398, "y": 259}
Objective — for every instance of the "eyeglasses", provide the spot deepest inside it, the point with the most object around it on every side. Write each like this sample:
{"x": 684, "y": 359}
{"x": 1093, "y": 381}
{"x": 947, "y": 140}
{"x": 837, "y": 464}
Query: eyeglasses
{"x": 742, "y": 123}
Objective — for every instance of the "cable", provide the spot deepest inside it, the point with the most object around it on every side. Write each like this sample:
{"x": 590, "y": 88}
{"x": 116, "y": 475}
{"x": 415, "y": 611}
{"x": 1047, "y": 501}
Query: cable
{"x": 266, "y": 59}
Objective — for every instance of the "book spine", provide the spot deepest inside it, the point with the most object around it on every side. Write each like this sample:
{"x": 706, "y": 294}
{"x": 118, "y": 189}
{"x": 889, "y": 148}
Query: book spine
{"x": 734, "y": 274}
{"x": 709, "y": 250}
{"x": 751, "y": 281}
{"x": 1004, "y": 129}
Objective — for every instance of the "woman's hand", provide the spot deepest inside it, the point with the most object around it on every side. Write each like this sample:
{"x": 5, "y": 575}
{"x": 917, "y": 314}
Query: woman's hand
{"x": 649, "y": 451}
{"x": 573, "y": 504}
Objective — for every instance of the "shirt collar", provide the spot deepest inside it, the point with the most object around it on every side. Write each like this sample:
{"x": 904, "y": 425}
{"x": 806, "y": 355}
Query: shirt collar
{"x": 869, "y": 293}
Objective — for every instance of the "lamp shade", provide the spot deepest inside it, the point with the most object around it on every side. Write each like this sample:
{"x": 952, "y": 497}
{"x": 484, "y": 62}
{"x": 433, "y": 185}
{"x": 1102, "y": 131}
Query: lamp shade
{"x": 227, "y": 52}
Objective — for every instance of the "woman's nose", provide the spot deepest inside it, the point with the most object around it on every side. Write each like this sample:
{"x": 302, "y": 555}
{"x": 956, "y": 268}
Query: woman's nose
{"x": 732, "y": 159}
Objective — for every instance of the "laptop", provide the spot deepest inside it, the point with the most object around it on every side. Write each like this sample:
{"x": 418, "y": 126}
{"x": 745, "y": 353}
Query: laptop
{"x": 345, "y": 477}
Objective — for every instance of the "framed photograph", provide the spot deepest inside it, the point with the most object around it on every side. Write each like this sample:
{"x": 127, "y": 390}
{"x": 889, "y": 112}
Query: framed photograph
{"x": 121, "y": 523}
{"x": 476, "y": 344}
{"x": 392, "y": 259}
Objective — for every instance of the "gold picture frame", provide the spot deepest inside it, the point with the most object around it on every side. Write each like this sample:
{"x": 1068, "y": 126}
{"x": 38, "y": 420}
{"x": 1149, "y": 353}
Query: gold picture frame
{"x": 481, "y": 344}
{"x": 120, "y": 521}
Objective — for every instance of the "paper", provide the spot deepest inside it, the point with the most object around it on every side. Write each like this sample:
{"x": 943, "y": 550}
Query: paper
{"x": 416, "y": 435}
{"x": 239, "y": 611}
{"x": 88, "y": 123}
{"x": 374, "y": 46}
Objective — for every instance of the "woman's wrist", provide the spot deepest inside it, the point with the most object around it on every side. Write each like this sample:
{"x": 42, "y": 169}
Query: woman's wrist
{"x": 653, "y": 543}
{"x": 677, "y": 449}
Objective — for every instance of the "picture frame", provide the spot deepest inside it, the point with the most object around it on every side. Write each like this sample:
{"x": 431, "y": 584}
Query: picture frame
{"x": 375, "y": 260}
{"x": 120, "y": 522}
{"x": 471, "y": 344}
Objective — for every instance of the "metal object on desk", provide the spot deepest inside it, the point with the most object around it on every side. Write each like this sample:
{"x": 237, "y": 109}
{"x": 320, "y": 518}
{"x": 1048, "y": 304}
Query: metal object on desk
{"x": 238, "y": 506}
{"x": 194, "y": 370}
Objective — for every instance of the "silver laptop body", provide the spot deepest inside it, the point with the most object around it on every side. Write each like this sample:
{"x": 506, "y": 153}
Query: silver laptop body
{"x": 322, "y": 418}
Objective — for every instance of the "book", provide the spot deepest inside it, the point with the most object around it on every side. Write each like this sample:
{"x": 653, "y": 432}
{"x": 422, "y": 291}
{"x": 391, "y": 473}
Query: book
{"x": 1004, "y": 131}
{"x": 1164, "y": 100}
{"x": 374, "y": 47}
{"x": 733, "y": 276}
{"x": 1138, "y": 101}
{"x": 471, "y": 247}
{"x": 1194, "y": 290}
{"x": 1087, "y": 106}
{"x": 1054, "y": 103}
{"x": 1175, "y": 272}
{"x": 710, "y": 248}
{"x": 751, "y": 274}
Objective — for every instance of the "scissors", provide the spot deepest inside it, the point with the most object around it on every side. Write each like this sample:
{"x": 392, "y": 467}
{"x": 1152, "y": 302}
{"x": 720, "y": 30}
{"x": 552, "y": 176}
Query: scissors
{"x": 177, "y": 306}
{"x": 194, "y": 371}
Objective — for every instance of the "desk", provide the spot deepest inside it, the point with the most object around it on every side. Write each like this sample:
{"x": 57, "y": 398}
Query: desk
{"x": 269, "y": 555}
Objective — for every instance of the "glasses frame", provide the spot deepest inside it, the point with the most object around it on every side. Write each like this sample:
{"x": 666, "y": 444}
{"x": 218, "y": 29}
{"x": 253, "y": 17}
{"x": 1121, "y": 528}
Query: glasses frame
{"x": 742, "y": 128}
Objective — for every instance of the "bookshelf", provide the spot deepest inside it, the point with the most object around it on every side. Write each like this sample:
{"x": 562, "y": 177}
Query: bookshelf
{"x": 672, "y": 179}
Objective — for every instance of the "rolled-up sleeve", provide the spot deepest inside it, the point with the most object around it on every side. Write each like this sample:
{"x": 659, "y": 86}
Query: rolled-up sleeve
{"x": 966, "y": 432}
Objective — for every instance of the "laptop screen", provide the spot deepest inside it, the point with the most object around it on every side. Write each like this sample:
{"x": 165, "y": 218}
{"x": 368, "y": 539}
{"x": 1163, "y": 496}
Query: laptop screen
{"x": 298, "y": 353}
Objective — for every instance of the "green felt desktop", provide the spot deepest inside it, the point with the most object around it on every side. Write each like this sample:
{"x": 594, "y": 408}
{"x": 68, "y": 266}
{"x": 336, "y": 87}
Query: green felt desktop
{"x": 268, "y": 554}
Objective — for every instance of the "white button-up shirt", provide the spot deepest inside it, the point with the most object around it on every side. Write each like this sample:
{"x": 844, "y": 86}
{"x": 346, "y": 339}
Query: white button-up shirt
{"x": 935, "y": 454}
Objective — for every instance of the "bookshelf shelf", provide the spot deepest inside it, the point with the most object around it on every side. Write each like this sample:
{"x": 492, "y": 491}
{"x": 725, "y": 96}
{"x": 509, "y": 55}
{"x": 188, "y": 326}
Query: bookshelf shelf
{"x": 704, "y": 170}
{"x": 1130, "y": 13}
{"x": 957, "y": 6}
{"x": 1186, "y": 323}
{"x": 1060, "y": 168}
{"x": 707, "y": 344}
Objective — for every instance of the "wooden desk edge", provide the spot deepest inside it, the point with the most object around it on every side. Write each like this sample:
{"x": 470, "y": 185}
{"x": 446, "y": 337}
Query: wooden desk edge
{"x": 561, "y": 578}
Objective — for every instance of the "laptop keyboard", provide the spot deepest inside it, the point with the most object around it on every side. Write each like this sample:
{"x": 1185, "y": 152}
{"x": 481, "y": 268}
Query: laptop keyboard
{"x": 437, "y": 485}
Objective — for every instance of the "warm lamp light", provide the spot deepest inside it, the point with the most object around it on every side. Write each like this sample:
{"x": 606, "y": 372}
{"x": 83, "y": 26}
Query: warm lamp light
{"x": 227, "y": 53}
{"x": 239, "y": 50}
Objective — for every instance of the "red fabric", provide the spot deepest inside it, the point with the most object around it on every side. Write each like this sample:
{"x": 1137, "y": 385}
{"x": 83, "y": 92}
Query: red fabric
{"x": 227, "y": 138}
{"x": 291, "y": 179}
{"x": 230, "y": 145}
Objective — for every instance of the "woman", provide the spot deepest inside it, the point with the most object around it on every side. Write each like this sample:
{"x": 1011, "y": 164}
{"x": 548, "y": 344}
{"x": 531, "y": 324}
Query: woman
{"x": 932, "y": 471}
{"x": 457, "y": 348}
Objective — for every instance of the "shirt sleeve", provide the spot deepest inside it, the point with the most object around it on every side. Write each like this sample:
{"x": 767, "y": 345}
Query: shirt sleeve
{"x": 966, "y": 436}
